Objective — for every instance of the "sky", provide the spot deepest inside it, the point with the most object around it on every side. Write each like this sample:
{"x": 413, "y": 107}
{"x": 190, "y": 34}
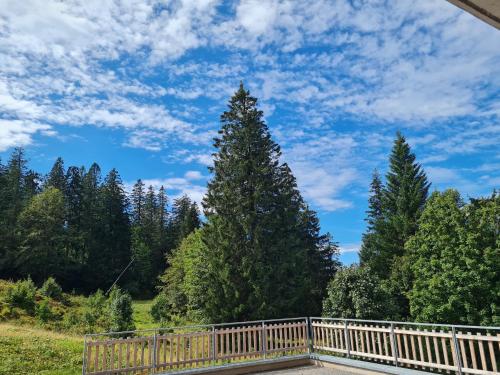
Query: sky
{"x": 140, "y": 85}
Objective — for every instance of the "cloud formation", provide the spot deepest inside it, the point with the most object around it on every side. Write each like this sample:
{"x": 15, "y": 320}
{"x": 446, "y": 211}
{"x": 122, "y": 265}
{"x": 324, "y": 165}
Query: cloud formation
{"x": 335, "y": 78}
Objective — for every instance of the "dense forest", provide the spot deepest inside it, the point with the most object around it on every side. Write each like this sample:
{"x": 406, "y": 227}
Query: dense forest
{"x": 259, "y": 252}
{"x": 84, "y": 230}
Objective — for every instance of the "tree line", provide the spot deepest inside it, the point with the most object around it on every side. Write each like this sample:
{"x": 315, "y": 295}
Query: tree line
{"x": 430, "y": 259}
{"x": 260, "y": 252}
{"x": 83, "y": 229}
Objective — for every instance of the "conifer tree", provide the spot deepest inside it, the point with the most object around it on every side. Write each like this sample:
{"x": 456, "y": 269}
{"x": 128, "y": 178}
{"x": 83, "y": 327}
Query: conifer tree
{"x": 405, "y": 194}
{"x": 370, "y": 247}
{"x": 137, "y": 199}
{"x": 16, "y": 192}
{"x": 256, "y": 241}
{"x": 75, "y": 239}
{"x": 91, "y": 224}
{"x": 57, "y": 176}
{"x": 184, "y": 219}
{"x": 113, "y": 234}
{"x": 394, "y": 210}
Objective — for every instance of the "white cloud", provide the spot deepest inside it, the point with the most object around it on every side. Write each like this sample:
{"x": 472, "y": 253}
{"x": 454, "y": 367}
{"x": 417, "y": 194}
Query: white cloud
{"x": 349, "y": 248}
{"x": 19, "y": 133}
{"x": 178, "y": 186}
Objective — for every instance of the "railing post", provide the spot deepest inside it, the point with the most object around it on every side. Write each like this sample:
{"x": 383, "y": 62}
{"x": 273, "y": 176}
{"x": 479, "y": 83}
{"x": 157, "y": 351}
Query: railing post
{"x": 154, "y": 351}
{"x": 84, "y": 359}
{"x": 458, "y": 357}
{"x": 347, "y": 341}
{"x": 394, "y": 347}
{"x": 310, "y": 335}
{"x": 214, "y": 354}
{"x": 264, "y": 339}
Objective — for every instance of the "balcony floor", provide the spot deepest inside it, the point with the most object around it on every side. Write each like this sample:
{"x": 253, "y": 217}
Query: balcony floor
{"x": 308, "y": 370}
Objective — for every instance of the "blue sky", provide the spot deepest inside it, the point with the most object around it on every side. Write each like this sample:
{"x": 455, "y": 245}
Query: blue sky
{"x": 140, "y": 85}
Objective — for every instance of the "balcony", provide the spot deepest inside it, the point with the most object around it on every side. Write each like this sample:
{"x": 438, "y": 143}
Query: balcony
{"x": 296, "y": 346}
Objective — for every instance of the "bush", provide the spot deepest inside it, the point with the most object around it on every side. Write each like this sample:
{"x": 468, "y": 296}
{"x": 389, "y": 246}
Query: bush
{"x": 51, "y": 289}
{"x": 94, "y": 315}
{"x": 355, "y": 292}
{"x": 160, "y": 308}
{"x": 44, "y": 312}
{"x": 22, "y": 294}
{"x": 120, "y": 311}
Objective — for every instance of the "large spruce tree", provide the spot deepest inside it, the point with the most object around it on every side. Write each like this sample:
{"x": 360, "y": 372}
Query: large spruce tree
{"x": 394, "y": 209}
{"x": 260, "y": 246}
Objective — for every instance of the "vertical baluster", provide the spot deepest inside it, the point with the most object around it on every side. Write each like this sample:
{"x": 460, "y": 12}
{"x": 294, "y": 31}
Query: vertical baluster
{"x": 412, "y": 344}
{"x": 492, "y": 354}
{"x": 127, "y": 353}
{"x": 445, "y": 351}
{"x": 420, "y": 348}
{"x": 428, "y": 347}
{"x": 481, "y": 353}
{"x": 472, "y": 351}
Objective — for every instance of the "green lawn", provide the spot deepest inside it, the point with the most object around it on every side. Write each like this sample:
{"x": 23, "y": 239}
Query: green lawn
{"x": 25, "y": 350}
{"x": 142, "y": 318}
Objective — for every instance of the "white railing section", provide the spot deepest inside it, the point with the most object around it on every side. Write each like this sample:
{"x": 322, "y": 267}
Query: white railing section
{"x": 428, "y": 347}
{"x": 431, "y": 347}
{"x": 170, "y": 349}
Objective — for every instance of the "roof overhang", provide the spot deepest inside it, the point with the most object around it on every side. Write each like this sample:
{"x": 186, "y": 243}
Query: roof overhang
{"x": 486, "y": 10}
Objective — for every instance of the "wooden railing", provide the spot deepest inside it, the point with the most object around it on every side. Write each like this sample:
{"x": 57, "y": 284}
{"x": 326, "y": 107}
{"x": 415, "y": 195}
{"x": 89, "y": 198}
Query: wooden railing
{"x": 429, "y": 347}
{"x": 143, "y": 352}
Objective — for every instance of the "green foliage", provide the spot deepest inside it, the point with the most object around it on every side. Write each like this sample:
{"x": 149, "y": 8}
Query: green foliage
{"x": 22, "y": 295}
{"x": 95, "y": 312}
{"x": 455, "y": 261}
{"x": 29, "y": 351}
{"x": 392, "y": 219}
{"x": 261, "y": 246}
{"x": 43, "y": 311}
{"x": 356, "y": 293}
{"x": 120, "y": 311}
{"x": 41, "y": 232}
{"x": 184, "y": 282}
{"x": 160, "y": 310}
{"x": 51, "y": 289}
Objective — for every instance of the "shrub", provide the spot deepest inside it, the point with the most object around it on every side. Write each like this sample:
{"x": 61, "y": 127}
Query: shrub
{"x": 94, "y": 315}
{"x": 44, "y": 312}
{"x": 120, "y": 311}
{"x": 51, "y": 289}
{"x": 22, "y": 294}
{"x": 160, "y": 308}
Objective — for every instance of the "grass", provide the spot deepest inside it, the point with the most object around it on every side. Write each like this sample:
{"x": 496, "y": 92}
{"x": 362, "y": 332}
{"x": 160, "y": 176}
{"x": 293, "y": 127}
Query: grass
{"x": 26, "y": 351}
{"x": 142, "y": 317}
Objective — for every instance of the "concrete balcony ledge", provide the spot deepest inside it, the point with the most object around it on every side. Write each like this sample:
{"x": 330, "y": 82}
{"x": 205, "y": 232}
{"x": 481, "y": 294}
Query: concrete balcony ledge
{"x": 360, "y": 367}
{"x": 251, "y": 367}
{"x": 336, "y": 364}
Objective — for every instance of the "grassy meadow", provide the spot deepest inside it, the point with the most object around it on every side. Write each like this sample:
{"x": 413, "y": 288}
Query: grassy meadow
{"x": 30, "y": 346}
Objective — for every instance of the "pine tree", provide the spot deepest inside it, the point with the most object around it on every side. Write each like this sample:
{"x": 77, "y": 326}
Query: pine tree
{"x": 57, "y": 176}
{"x": 18, "y": 187}
{"x": 114, "y": 230}
{"x": 137, "y": 200}
{"x": 405, "y": 194}
{"x": 75, "y": 234}
{"x": 255, "y": 237}
{"x": 392, "y": 219}
{"x": 370, "y": 247}
{"x": 184, "y": 219}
